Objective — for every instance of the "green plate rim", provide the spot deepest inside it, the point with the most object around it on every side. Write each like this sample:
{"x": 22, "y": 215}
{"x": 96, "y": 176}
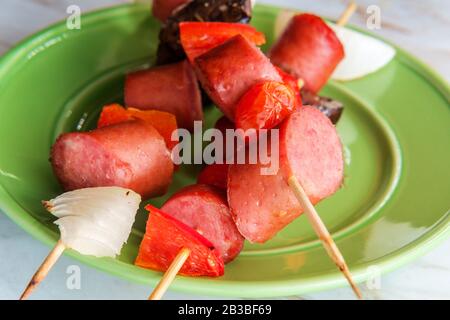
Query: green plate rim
{"x": 437, "y": 234}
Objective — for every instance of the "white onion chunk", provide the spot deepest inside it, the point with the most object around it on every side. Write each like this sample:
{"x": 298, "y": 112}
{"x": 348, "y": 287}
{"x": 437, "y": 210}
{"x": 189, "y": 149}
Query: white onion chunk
{"x": 95, "y": 221}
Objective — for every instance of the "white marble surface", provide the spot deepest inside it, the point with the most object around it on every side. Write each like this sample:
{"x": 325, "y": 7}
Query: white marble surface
{"x": 418, "y": 26}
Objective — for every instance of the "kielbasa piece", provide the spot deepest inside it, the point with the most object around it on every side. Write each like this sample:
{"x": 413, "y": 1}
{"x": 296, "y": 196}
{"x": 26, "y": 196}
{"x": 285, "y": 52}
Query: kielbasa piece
{"x": 228, "y": 71}
{"x": 162, "y": 9}
{"x": 309, "y": 50}
{"x": 205, "y": 209}
{"x": 171, "y": 88}
{"x": 130, "y": 155}
{"x": 311, "y": 150}
{"x": 214, "y": 175}
{"x": 165, "y": 237}
{"x": 262, "y": 205}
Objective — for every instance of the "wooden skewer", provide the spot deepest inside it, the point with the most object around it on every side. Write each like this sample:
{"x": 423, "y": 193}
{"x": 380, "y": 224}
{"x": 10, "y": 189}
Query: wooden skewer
{"x": 314, "y": 218}
{"x": 43, "y": 270}
{"x": 170, "y": 274}
{"x": 345, "y": 16}
{"x": 322, "y": 232}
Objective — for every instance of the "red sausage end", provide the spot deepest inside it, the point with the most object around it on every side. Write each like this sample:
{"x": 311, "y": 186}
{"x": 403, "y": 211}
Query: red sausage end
{"x": 311, "y": 150}
{"x": 205, "y": 209}
{"x": 309, "y": 50}
{"x": 262, "y": 205}
{"x": 171, "y": 88}
{"x": 228, "y": 71}
{"x": 130, "y": 155}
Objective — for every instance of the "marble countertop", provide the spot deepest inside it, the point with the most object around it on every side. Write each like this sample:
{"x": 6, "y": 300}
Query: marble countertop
{"x": 420, "y": 27}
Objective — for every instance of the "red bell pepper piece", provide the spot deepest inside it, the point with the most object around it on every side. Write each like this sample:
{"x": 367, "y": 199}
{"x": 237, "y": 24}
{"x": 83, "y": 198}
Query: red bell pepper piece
{"x": 165, "y": 237}
{"x": 165, "y": 123}
{"x": 112, "y": 114}
{"x": 214, "y": 175}
{"x": 200, "y": 37}
{"x": 265, "y": 106}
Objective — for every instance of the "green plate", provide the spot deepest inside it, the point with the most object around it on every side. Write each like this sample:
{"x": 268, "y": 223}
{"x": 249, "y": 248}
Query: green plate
{"x": 395, "y": 129}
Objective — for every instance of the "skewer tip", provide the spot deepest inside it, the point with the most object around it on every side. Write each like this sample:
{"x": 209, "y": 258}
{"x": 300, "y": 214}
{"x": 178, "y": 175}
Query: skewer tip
{"x": 47, "y": 205}
{"x": 43, "y": 270}
{"x": 170, "y": 274}
{"x": 322, "y": 232}
{"x": 346, "y": 15}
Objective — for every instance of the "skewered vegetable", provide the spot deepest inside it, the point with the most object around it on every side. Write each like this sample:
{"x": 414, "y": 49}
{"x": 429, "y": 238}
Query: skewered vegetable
{"x": 265, "y": 105}
{"x": 165, "y": 237}
{"x": 162, "y": 121}
{"x": 198, "y": 38}
{"x": 363, "y": 54}
{"x": 95, "y": 221}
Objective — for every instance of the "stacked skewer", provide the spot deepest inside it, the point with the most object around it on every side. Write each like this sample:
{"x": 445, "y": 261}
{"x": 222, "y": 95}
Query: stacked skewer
{"x": 99, "y": 209}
